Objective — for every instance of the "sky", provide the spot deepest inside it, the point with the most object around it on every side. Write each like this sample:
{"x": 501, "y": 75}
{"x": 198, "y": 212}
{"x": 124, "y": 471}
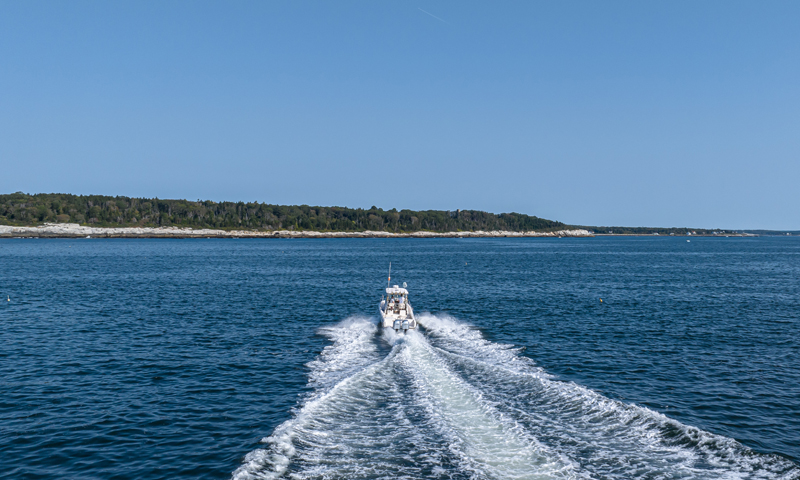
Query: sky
{"x": 679, "y": 113}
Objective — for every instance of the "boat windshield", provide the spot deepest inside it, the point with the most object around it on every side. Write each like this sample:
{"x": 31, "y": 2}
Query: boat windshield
{"x": 398, "y": 302}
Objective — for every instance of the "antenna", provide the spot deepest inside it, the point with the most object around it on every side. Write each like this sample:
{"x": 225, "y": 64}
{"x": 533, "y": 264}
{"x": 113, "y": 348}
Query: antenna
{"x": 390, "y": 275}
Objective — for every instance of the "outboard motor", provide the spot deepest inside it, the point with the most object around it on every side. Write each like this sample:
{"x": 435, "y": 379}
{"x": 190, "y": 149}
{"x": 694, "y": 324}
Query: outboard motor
{"x": 405, "y": 325}
{"x": 397, "y": 325}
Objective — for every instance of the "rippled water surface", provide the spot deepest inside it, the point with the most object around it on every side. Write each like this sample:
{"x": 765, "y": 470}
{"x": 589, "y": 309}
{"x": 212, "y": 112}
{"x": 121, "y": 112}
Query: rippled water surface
{"x": 262, "y": 359}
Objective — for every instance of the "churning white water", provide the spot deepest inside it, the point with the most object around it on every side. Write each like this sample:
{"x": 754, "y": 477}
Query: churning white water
{"x": 446, "y": 403}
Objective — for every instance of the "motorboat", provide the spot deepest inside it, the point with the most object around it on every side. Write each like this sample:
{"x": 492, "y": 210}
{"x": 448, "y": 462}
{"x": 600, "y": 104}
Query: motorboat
{"x": 396, "y": 311}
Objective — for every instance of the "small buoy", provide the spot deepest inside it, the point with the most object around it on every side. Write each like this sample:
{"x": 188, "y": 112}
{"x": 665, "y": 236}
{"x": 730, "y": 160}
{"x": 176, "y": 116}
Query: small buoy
{"x": 465, "y": 263}
{"x": 9, "y": 298}
{"x": 601, "y": 300}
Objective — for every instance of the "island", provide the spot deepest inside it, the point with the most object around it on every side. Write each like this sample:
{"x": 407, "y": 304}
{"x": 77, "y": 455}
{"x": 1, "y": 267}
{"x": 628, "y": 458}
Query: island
{"x": 67, "y": 215}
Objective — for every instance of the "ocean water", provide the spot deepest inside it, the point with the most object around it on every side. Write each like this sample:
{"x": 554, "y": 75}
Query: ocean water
{"x": 145, "y": 359}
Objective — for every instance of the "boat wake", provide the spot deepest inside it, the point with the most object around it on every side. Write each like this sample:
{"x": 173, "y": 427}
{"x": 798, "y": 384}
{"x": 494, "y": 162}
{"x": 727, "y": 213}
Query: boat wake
{"x": 447, "y": 403}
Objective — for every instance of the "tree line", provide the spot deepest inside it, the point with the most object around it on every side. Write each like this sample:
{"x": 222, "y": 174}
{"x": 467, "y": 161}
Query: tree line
{"x": 105, "y": 211}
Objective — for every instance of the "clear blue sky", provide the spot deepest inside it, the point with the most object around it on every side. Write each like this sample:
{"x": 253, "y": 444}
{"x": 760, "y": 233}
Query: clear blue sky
{"x": 603, "y": 113}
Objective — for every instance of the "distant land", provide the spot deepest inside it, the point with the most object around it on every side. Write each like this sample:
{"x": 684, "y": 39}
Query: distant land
{"x": 98, "y": 211}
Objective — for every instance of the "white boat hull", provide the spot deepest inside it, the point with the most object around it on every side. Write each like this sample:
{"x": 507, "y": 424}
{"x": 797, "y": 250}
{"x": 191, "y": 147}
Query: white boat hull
{"x": 399, "y": 319}
{"x": 395, "y": 310}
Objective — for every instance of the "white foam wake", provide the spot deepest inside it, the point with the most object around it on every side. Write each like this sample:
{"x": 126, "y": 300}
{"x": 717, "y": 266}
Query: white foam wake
{"x": 487, "y": 443}
{"x": 447, "y": 403}
{"x": 340, "y": 367}
{"x": 607, "y": 438}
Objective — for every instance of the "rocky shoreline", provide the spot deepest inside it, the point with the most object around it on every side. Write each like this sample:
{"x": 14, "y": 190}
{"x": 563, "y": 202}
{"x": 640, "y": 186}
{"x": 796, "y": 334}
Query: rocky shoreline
{"x": 73, "y": 230}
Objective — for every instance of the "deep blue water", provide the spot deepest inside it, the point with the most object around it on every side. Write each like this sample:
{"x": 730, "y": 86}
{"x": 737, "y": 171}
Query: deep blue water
{"x": 174, "y": 359}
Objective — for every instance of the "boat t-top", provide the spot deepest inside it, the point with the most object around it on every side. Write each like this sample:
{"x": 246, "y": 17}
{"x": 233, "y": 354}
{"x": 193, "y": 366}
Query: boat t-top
{"x": 395, "y": 310}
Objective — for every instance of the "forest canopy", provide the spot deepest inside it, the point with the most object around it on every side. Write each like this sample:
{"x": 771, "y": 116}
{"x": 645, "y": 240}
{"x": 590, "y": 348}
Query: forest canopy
{"x": 104, "y": 211}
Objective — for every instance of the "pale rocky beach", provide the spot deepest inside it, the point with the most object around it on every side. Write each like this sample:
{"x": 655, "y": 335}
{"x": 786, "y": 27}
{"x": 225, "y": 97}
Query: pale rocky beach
{"x": 73, "y": 230}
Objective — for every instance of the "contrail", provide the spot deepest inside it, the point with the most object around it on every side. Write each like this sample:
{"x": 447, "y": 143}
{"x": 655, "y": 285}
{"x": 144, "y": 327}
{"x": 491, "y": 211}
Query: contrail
{"x": 434, "y": 16}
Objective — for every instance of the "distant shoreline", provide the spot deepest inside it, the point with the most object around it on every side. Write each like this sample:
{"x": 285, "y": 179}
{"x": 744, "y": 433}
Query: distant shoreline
{"x": 66, "y": 215}
{"x": 71, "y": 230}
{"x": 674, "y": 235}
